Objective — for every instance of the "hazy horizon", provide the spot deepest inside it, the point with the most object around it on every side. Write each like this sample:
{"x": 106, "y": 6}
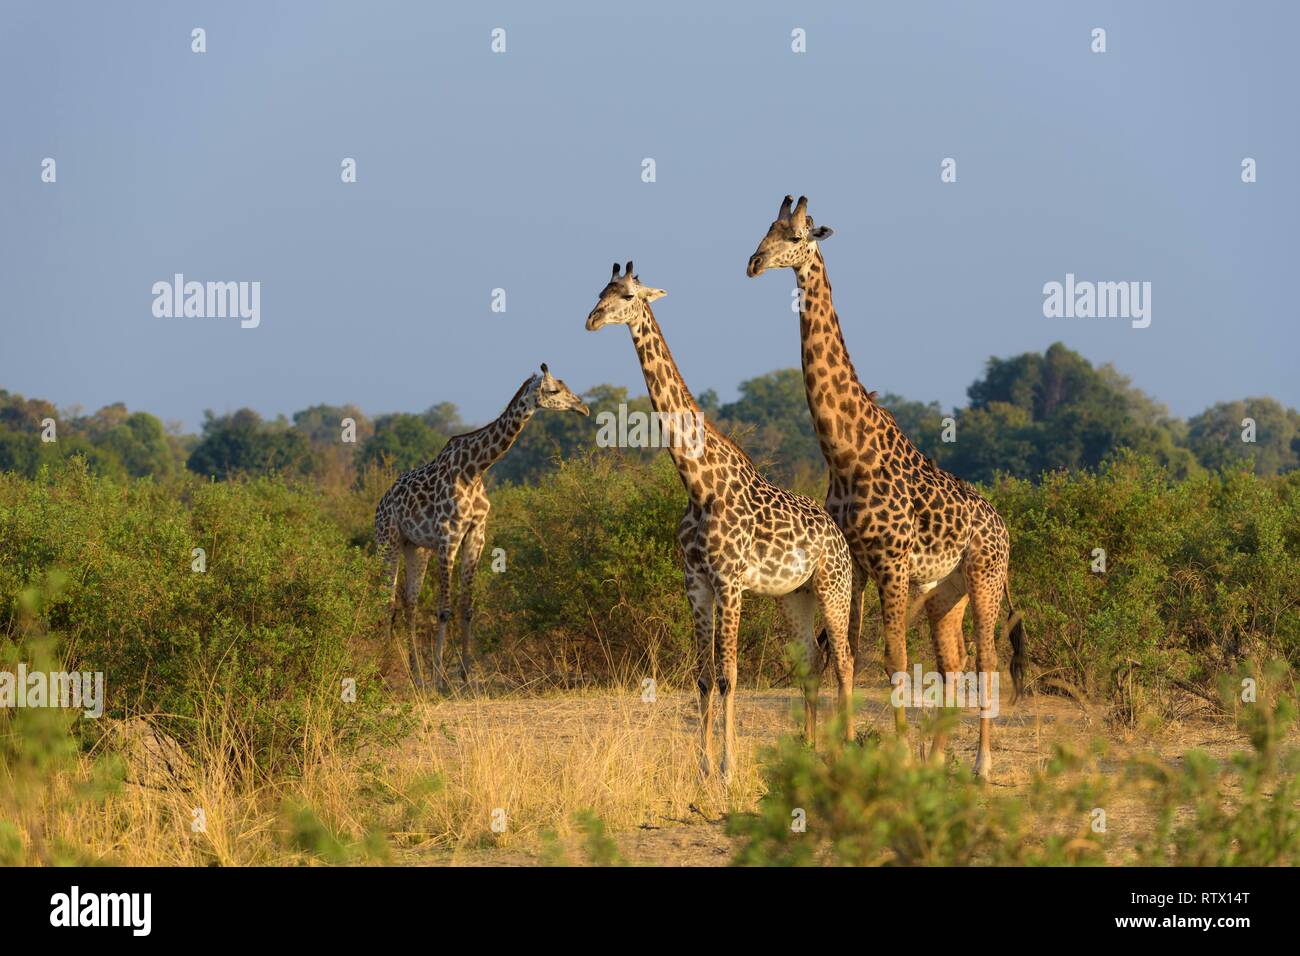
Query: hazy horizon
{"x": 522, "y": 171}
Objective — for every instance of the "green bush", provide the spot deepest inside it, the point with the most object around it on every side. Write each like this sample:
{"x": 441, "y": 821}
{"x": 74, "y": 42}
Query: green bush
{"x": 270, "y": 628}
{"x": 1242, "y": 812}
{"x": 1199, "y": 574}
{"x": 38, "y": 745}
{"x": 593, "y": 585}
{"x": 875, "y": 804}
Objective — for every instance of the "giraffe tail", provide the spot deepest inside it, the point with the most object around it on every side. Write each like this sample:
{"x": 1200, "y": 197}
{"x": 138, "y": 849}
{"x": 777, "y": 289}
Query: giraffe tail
{"x": 824, "y": 646}
{"x": 1015, "y": 630}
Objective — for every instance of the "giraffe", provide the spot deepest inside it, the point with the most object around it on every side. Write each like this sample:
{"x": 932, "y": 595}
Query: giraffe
{"x": 442, "y": 507}
{"x": 924, "y": 537}
{"x": 740, "y": 533}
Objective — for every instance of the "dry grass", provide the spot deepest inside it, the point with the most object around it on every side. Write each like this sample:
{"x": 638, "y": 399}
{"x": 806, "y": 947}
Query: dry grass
{"x": 541, "y": 759}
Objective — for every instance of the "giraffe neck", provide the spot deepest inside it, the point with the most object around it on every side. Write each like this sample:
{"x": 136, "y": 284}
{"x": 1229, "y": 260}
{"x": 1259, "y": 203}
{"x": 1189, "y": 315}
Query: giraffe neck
{"x": 836, "y": 397}
{"x": 486, "y": 445}
{"x": 694, "y": 446}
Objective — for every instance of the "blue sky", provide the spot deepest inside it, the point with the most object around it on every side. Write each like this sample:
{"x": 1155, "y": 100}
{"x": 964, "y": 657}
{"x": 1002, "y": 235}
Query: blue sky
{"x": 522, "y": 171}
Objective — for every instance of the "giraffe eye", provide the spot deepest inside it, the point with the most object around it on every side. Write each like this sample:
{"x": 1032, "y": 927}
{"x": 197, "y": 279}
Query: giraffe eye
{"x": 629, "y": 297}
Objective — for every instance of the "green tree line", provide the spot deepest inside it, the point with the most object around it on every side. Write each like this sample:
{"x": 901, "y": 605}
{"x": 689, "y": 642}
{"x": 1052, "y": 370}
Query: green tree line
{"x": 1027, "y": 415}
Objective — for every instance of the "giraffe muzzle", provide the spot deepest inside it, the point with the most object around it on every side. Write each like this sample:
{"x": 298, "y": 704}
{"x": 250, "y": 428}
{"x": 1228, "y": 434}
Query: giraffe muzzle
{"x": 595, "y": 320}
{"x": 755, "y": 266}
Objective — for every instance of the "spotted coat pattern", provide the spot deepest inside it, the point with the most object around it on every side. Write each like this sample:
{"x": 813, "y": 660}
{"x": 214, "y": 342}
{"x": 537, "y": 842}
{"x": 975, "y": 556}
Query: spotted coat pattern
{"x": 740, "y": 533}
{"x": 924, "y": 537}
{"x": 441, "y": 509}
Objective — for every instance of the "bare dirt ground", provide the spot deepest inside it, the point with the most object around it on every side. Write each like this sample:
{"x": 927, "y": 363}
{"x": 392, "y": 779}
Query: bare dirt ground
{"x": 688, "y": 829}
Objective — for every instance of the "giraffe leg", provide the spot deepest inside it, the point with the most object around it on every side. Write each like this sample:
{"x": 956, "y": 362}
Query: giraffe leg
{"x": 984, "y": 581}
{"x": 446, "y": 561}
{"x": 416, "y": 561}
{"x": 390, "y": 554}
{"x": 729, "y": 604}
{"x": 469, "y": 558}
{"x": 835, "y": 603}
{"x": 800, "y": 609}
{"x": 945, "y": 608}
{"x": 855, "y": 612}
{"x": 893, "y": 611}
{"x": 702, "y": 600}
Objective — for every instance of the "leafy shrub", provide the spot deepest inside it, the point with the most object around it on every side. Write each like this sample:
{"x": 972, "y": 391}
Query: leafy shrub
{"x": 1245, "y": 812}
{"x": 594, "y": 582}
{"x": 875, "y": 804}
{"x": 38, "y": 748}
{"x": 273, "y": 623}
{"x": 1199, "y": 574}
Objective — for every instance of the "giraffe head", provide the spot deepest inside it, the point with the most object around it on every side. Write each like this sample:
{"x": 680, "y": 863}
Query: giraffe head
{"x": 622, "y": 301}
{"x": 791, "y": 240}
{"x": 547, "y": 391}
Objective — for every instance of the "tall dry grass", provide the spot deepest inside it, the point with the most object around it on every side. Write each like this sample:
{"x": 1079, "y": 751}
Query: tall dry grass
{"x": 431, "y": 797}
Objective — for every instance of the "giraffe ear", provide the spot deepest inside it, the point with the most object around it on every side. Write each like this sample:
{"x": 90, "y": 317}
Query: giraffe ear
{"x": 652, "y": 294}
{"x": 821, "y": 232}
